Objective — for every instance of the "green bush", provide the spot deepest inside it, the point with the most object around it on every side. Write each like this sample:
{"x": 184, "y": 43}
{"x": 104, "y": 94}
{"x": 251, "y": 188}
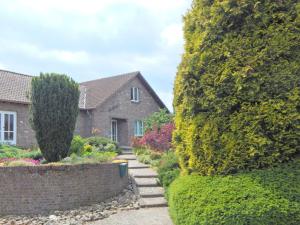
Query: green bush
{"x": 77, "y": 144}
{"x": 236, "y": 94}
{"x": 157, "y": 119}
{"x": 168, "y": 169}
{"x": 262, "y": 197}
{"x": 8, "y": 151}
{"x": 54, "y": 109}
{"x": 89, "y": 157}
{"x": 103, "y": 144}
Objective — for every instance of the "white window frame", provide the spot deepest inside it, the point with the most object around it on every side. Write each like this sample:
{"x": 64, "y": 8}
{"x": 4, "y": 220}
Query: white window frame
{"x": 138, "y": 128}
{"x": 135, "y": 94}
{"x": 14, "y": 141}
{"x": 111, "y": 130}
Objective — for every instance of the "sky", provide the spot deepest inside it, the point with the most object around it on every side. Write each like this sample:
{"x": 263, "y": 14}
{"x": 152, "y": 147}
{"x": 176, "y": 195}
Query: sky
{"x": 90, "y": 39}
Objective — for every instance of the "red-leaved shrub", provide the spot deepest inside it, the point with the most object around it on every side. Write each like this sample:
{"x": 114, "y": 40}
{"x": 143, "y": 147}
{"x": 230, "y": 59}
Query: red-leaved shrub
{"x": 158, "y": 139}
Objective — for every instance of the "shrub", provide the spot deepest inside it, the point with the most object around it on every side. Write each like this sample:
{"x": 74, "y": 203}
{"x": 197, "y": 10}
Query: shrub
{"x": 262, "y": 197}
{"x": 89, "y": 157}
{"x": 7, "y": 151}
{"x": 168, "y": 169}
{"x": 237, "y": 87}
{"x": 54, "y": 109}
{"x": 157, "y": 119}
{"x": 77, "y": 144}
{"x": 103, "y": 144}
{"x": 158, "y": 139}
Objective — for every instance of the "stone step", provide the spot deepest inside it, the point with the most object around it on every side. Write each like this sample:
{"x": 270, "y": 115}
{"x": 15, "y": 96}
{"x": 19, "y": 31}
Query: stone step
{"x": 127, "y": 153}
{"x": 151, "y": 192}
{"x": 143, "y": 173}
{"x": 153, "y": 202}
{"x": 127, "y": 157}
{"x": 146, "y": 182}
{"x": 134, "y": 164}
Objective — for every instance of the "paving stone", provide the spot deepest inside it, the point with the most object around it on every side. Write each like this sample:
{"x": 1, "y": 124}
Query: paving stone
{"x": 146, "y": 182}
{"x": 147, "y": 216}
{"x": 153, "y": 202}
{"x": 149, "y": 192}
{"x": 143, "y": 173}
{"x": 127, "y": 157}
{"x": 134, "y": 164}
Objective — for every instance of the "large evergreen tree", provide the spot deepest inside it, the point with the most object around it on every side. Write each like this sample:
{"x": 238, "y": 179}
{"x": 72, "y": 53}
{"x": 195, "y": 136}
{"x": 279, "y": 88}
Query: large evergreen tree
{"x": 54, "y": 109}
{"x": 237, "y": 88}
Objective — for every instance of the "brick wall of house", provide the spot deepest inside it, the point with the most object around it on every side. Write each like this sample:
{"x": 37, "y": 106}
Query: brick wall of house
{"x": 120, "y": 106}
{"x": 25, "y": 135}
{"x": 42, "y": 189}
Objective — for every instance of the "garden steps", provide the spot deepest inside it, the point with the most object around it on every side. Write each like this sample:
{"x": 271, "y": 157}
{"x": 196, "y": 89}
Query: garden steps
{"x": 127, "y": 157}
{"x": 153, "y": 202}
{"x": 143, "y": 173}
{"x": 134, "y": 164}
{"x": 145, "y": 178}
{"x": 146, "y": 182}
{"x": 151, "y": 192}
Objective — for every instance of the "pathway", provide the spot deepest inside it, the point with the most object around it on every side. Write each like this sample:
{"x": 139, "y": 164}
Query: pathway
{"x": 154, "y": 208}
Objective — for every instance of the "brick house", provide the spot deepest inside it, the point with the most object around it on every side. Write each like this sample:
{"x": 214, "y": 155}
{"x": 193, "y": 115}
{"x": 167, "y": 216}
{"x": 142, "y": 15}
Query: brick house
{"x": 114, "y": 105}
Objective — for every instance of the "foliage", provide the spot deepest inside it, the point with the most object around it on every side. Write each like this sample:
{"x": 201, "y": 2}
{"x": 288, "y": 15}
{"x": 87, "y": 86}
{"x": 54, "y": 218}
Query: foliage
{"x": 54, "y": 109}
{"x": 8, "y": 151}
{"x": 158, "y": 139}
{"x": 157, "y": 119}
{"x": 89, "y": 157}
{"x": 168, "y": 169}
{"x": 18, "y": 162}
{"x": 263, "y": 197}
{"x": 166, "y": 164}
{"x": 77, "y": 144}
{"x": 136, "y": 142}
{"x": 148, "y": 156}
{"x": 103, "y": 144}
{"x": 237, "y": 87}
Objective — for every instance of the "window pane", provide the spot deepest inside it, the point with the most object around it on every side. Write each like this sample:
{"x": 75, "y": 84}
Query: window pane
{"x": 11, "y": 136}
{"x": 137, "y": 94}
{"x": 5, "y": 122}
{"x": 11, "y": 125}
{"x": 131, "y": 94}
{"x": 5, "y": 136}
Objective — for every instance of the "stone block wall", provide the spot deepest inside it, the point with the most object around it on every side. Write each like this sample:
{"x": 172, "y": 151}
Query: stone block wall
{"x": 43, "y": 189}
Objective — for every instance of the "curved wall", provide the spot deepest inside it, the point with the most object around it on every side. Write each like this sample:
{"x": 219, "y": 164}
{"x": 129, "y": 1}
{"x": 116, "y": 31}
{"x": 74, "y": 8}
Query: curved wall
{"x": 42, "y": 189}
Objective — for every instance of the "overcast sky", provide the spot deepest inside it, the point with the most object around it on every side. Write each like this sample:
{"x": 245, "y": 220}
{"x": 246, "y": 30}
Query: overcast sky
{"x": 89, "y": 39}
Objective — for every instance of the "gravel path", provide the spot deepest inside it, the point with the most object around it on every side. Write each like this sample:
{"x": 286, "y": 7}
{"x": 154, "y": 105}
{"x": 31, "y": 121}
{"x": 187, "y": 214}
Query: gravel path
{"x": 147, "y": 216}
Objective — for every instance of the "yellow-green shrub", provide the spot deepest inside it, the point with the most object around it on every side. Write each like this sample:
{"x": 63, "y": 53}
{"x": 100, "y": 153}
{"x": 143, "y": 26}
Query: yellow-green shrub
{"x": 262, "y": 197}
{"x": 237, "y": 88}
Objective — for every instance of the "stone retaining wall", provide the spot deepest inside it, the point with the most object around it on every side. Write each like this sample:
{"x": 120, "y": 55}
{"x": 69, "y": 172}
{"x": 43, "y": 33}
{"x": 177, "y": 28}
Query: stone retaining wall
{"x": 42, "y": 189}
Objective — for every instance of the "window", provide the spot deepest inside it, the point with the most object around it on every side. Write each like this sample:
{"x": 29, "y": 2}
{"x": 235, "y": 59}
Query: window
{"x": 135, "y": 94}
{"x": 7, "y": 127}
{"x": 138, "y": 128}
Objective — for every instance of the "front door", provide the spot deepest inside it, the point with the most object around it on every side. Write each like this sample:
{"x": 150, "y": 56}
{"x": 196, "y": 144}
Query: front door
{"x": 8, "y": 127}
{"x": 114, "y": 130}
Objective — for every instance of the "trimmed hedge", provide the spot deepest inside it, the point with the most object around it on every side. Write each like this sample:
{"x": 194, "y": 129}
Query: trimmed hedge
{"x": 236, "y": 92}
{"x": 54, "y": 109}
{"x": 262, "y": 197}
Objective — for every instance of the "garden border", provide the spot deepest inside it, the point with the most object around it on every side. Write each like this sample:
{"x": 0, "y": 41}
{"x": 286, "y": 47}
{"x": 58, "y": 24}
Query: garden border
{"x": 46, "y": 188}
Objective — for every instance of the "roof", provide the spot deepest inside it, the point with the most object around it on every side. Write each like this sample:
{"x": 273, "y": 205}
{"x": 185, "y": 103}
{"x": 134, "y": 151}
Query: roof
{"x": 15, "y": 87}
{"x": 98, "y": 91}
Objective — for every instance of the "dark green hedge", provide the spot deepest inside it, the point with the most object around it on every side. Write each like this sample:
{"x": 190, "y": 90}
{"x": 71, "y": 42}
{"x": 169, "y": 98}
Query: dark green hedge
{"x": 237, "y": 89}
{"x": 54, "y": 110}
{"x": 263, "y": 197}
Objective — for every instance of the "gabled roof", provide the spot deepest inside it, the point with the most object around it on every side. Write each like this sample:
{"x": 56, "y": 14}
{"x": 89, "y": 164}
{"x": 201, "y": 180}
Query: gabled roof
{"x": 98, "y": 91}
{"x": 15, "y": 87}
